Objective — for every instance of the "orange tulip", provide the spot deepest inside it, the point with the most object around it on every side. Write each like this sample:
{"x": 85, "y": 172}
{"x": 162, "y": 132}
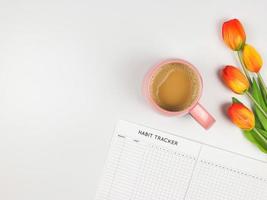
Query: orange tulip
{"x": 233, "y": 34}
{"x": 252, "y": 59}
{"x": 241, "y": 116}
{"x": 235, "y": 79}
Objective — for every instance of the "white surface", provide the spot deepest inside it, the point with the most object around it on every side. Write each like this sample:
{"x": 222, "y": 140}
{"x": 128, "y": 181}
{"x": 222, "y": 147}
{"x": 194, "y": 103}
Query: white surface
{"x": 70, "y": 69}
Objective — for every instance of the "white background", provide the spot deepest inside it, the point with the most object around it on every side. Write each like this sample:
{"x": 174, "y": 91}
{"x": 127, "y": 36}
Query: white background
{"x": 69, "y": 70}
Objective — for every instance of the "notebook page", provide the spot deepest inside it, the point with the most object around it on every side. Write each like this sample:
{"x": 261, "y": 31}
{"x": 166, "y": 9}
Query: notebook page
{"x": 146, "y": 164}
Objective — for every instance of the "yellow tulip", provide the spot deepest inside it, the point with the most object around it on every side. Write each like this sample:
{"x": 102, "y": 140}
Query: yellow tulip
{"x": 251, "y": 58}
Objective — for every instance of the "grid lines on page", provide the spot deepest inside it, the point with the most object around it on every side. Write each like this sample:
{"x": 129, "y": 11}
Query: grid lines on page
{"x": 141, "y": 171}
{"x": 164, "y": 174}
{"x": 216, "y": 182}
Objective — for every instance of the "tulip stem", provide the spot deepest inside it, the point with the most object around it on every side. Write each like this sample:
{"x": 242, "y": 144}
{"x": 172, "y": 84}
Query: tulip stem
{"x": 262, "y": 82}
{"x": 239, "y": 53}
{"x": 257, "y": 104}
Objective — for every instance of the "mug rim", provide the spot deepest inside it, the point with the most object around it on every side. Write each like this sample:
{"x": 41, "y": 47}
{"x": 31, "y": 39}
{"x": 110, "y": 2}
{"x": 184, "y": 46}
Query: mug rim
{"x": 148, "y": 80}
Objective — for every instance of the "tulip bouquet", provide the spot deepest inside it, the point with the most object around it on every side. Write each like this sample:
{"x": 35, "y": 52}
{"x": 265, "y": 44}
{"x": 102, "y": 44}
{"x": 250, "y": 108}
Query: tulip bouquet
{"x": 247, "y": 81}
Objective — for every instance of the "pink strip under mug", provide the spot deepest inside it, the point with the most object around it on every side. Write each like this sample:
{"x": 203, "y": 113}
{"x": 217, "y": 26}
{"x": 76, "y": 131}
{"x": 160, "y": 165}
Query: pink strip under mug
{"x": 197, "y": 111}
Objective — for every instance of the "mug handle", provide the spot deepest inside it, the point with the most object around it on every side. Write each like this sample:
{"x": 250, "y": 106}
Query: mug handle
{"x": 201, "y": 115}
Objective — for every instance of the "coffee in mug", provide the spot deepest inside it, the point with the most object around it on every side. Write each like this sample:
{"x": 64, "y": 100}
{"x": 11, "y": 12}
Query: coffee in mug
{"x": 174, "y": 87}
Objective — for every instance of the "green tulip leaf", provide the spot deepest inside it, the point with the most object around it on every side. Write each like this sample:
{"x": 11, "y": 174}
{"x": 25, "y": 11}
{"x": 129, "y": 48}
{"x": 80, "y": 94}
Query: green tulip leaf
{"x": 258, "y": 123}
{"x": 258, "y": 96}
{"x": 259, "y": 138}
{"x": 260, "y": 119}
{"x": 262, "y": 132}
{"x": 249, "y": 135}
{"x": 263, "y": 89}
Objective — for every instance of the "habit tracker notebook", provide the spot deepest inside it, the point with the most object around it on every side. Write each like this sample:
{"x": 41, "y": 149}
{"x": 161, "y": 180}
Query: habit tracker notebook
{"x": 147, "y": 164}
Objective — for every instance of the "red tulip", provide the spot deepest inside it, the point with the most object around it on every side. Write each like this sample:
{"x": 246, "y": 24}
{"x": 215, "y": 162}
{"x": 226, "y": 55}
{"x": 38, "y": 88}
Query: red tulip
{"x": 241, "y": 116}
{"x": 235, "y": 79}
{"x": 233, "y": 34}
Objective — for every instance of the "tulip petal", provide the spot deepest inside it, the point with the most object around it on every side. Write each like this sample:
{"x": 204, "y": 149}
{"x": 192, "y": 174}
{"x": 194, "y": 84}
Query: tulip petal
{"x": 235, "y": 79}
{"x": 252, "y": 58}
{"x": 233, "y": 34}
{"x": 241, "y": 116}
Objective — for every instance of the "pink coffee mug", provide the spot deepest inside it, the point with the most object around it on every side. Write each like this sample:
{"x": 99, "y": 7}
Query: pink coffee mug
{"x": 197, "y": 111}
